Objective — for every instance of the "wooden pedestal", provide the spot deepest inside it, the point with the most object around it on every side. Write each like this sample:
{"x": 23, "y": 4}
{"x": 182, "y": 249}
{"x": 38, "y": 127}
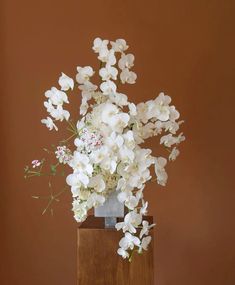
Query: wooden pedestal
{"x": 99, "y": 263}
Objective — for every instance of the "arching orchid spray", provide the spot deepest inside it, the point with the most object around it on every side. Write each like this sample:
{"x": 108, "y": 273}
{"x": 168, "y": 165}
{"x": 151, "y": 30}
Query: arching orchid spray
{"x": 107, "y": 155}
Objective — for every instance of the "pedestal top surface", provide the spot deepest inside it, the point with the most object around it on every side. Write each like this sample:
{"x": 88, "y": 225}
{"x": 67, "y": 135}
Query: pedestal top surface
{"x": 93, "y": 222}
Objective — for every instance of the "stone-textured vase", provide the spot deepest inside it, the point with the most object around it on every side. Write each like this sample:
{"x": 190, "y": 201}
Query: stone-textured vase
{"x": 111, "y": 210}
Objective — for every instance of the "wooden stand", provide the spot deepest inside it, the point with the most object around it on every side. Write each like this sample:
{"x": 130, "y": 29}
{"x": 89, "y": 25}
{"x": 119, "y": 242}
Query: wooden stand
{"x": 99, "y": 263}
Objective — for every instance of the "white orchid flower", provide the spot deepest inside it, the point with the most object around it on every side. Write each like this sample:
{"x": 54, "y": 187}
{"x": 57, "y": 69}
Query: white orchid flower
{"x": 87, "y": 86}
{"x": 129, "y": 241}
{"x": 122, "y": 185}
{"x": 174, "y": 154}
{"x": 109, "y": 163}
{"x": 119, "y": 45}
{"x": 97, "y": 156}
{"x": 132, "y": 109}
{"x": 123, "y": 253}
{"x": 145, "y": 243}
{"x": 161, "y": 174}
{"x": 49, "y": 123}
{"x": 131, "y": 221}
{"x": 163, "y": 99}
{"x": 108, "y": 72}
{"x": 80, "y": 210}
{"x": 48, "y": 105}
{"x": 169, "y": 140}
{"x": 108, "y": 87}
{"x": 76, "y": 181}
{"x": 118, "y": 122}
{"x": 170, "y": 126}
{"x": 126, "y": 61}
{"x": 114, "y": 142}
{"x": 119, "y": 99}
{"x": 81, "y": 163}
{"x": 56, "y": 96}
{"x": 95, "y": 200}
{"x": 107, "y": 56}
{"x": 99, "y": 44}
{"x": 59, "y": 114}
{"x": 128, "y": 76}
{"x": 127, "y": 155}
{"x": 108, "y": 111}
{"x": 124, "y": 195}
{"x": 129, "y": 139}
{"x": 145, "y": 229}
{"x": 66, "y": 82}
{"x": 97, "y": 183}
{"x": 174, "y": 114}
{"x": 132, "y": 202}
{"x": 84, "y": 74}
{"x": 143, "y": 210}
{"x": 162, "y": 113}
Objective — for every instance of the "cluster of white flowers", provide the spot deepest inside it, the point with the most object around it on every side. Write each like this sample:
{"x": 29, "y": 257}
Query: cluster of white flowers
{"x": 36, "y": 163}
{"x": 63, "y": 154}
{"x": 88, "y": 141}
{"x": 56, "y": 99}
{"x": 108, "y": 155}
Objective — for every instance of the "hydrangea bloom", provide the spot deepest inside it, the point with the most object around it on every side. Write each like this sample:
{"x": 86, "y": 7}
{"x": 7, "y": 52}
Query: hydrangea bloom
{"x": 108, "y": 154}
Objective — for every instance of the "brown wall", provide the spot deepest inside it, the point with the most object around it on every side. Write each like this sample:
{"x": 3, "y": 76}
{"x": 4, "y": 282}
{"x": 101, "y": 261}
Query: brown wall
{"x": 185, "y": 48}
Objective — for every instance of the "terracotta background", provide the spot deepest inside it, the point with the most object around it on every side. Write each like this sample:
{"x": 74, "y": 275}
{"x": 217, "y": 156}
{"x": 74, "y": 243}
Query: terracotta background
{"x": 185, "y": 48}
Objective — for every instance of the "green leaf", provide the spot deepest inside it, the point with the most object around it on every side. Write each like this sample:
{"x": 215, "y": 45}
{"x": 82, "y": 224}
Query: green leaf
{"x": 53, "y": 168}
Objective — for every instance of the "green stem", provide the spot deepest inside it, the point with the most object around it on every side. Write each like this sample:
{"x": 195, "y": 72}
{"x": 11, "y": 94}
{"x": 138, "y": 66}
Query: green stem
{"x": 69, "y": 138}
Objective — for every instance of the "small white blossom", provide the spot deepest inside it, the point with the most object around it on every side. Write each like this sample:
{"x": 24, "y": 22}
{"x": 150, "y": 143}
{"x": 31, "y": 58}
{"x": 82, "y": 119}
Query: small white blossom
{"x": 174, "y": 153}
{"x": 80, "y": 210}
{"x": 131, "y": 221}
{"x": 99, "y": 44}
{"x": 123, "y": 253}
{"x": 108, "y": 87}
{"x": 119, "y": 121}
{"x": 84, "y": 74}
{"x": 49, "y": 123}
{"x": 128, "y": 76}
{"x": 81, "y": 163}
{"x": 119, "y": 45}
{"x": 95, "y": 200}
{"x": 126, "y": 61}
{"x": 144, "y": 243}
{"x": 161, "y": 174}
{"x": 66, "y": 82}
{"x": 77, "y": 181}
{"x": 145, "y": 228}
{"x": 169, "y": 140}
{"x": 108, "y": 72}
{"x": 143, "y": 210}
{"x": 36, "y": 163}
{"x": 129, "y": 241}
{"x": 119, "y": 99}
{"x": 132, "y": 109}
{"x": 56, "y": 96}
{"x": 97, "y": 183}
{"x": 60, "y": 114}
{"x": 63, "y": 154}
{"x": 107, "y": 56}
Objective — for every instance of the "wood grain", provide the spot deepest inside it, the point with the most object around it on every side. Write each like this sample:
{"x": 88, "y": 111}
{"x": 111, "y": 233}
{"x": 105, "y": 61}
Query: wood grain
{"x": 99, "y": 264}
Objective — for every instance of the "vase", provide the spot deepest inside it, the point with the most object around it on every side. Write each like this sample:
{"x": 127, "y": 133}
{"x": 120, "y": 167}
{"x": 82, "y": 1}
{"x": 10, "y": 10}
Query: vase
{"x": 110, "y": 210}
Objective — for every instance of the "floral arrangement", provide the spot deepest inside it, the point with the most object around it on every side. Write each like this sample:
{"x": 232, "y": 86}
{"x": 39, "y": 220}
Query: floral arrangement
{"x": 107, "y": 154}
